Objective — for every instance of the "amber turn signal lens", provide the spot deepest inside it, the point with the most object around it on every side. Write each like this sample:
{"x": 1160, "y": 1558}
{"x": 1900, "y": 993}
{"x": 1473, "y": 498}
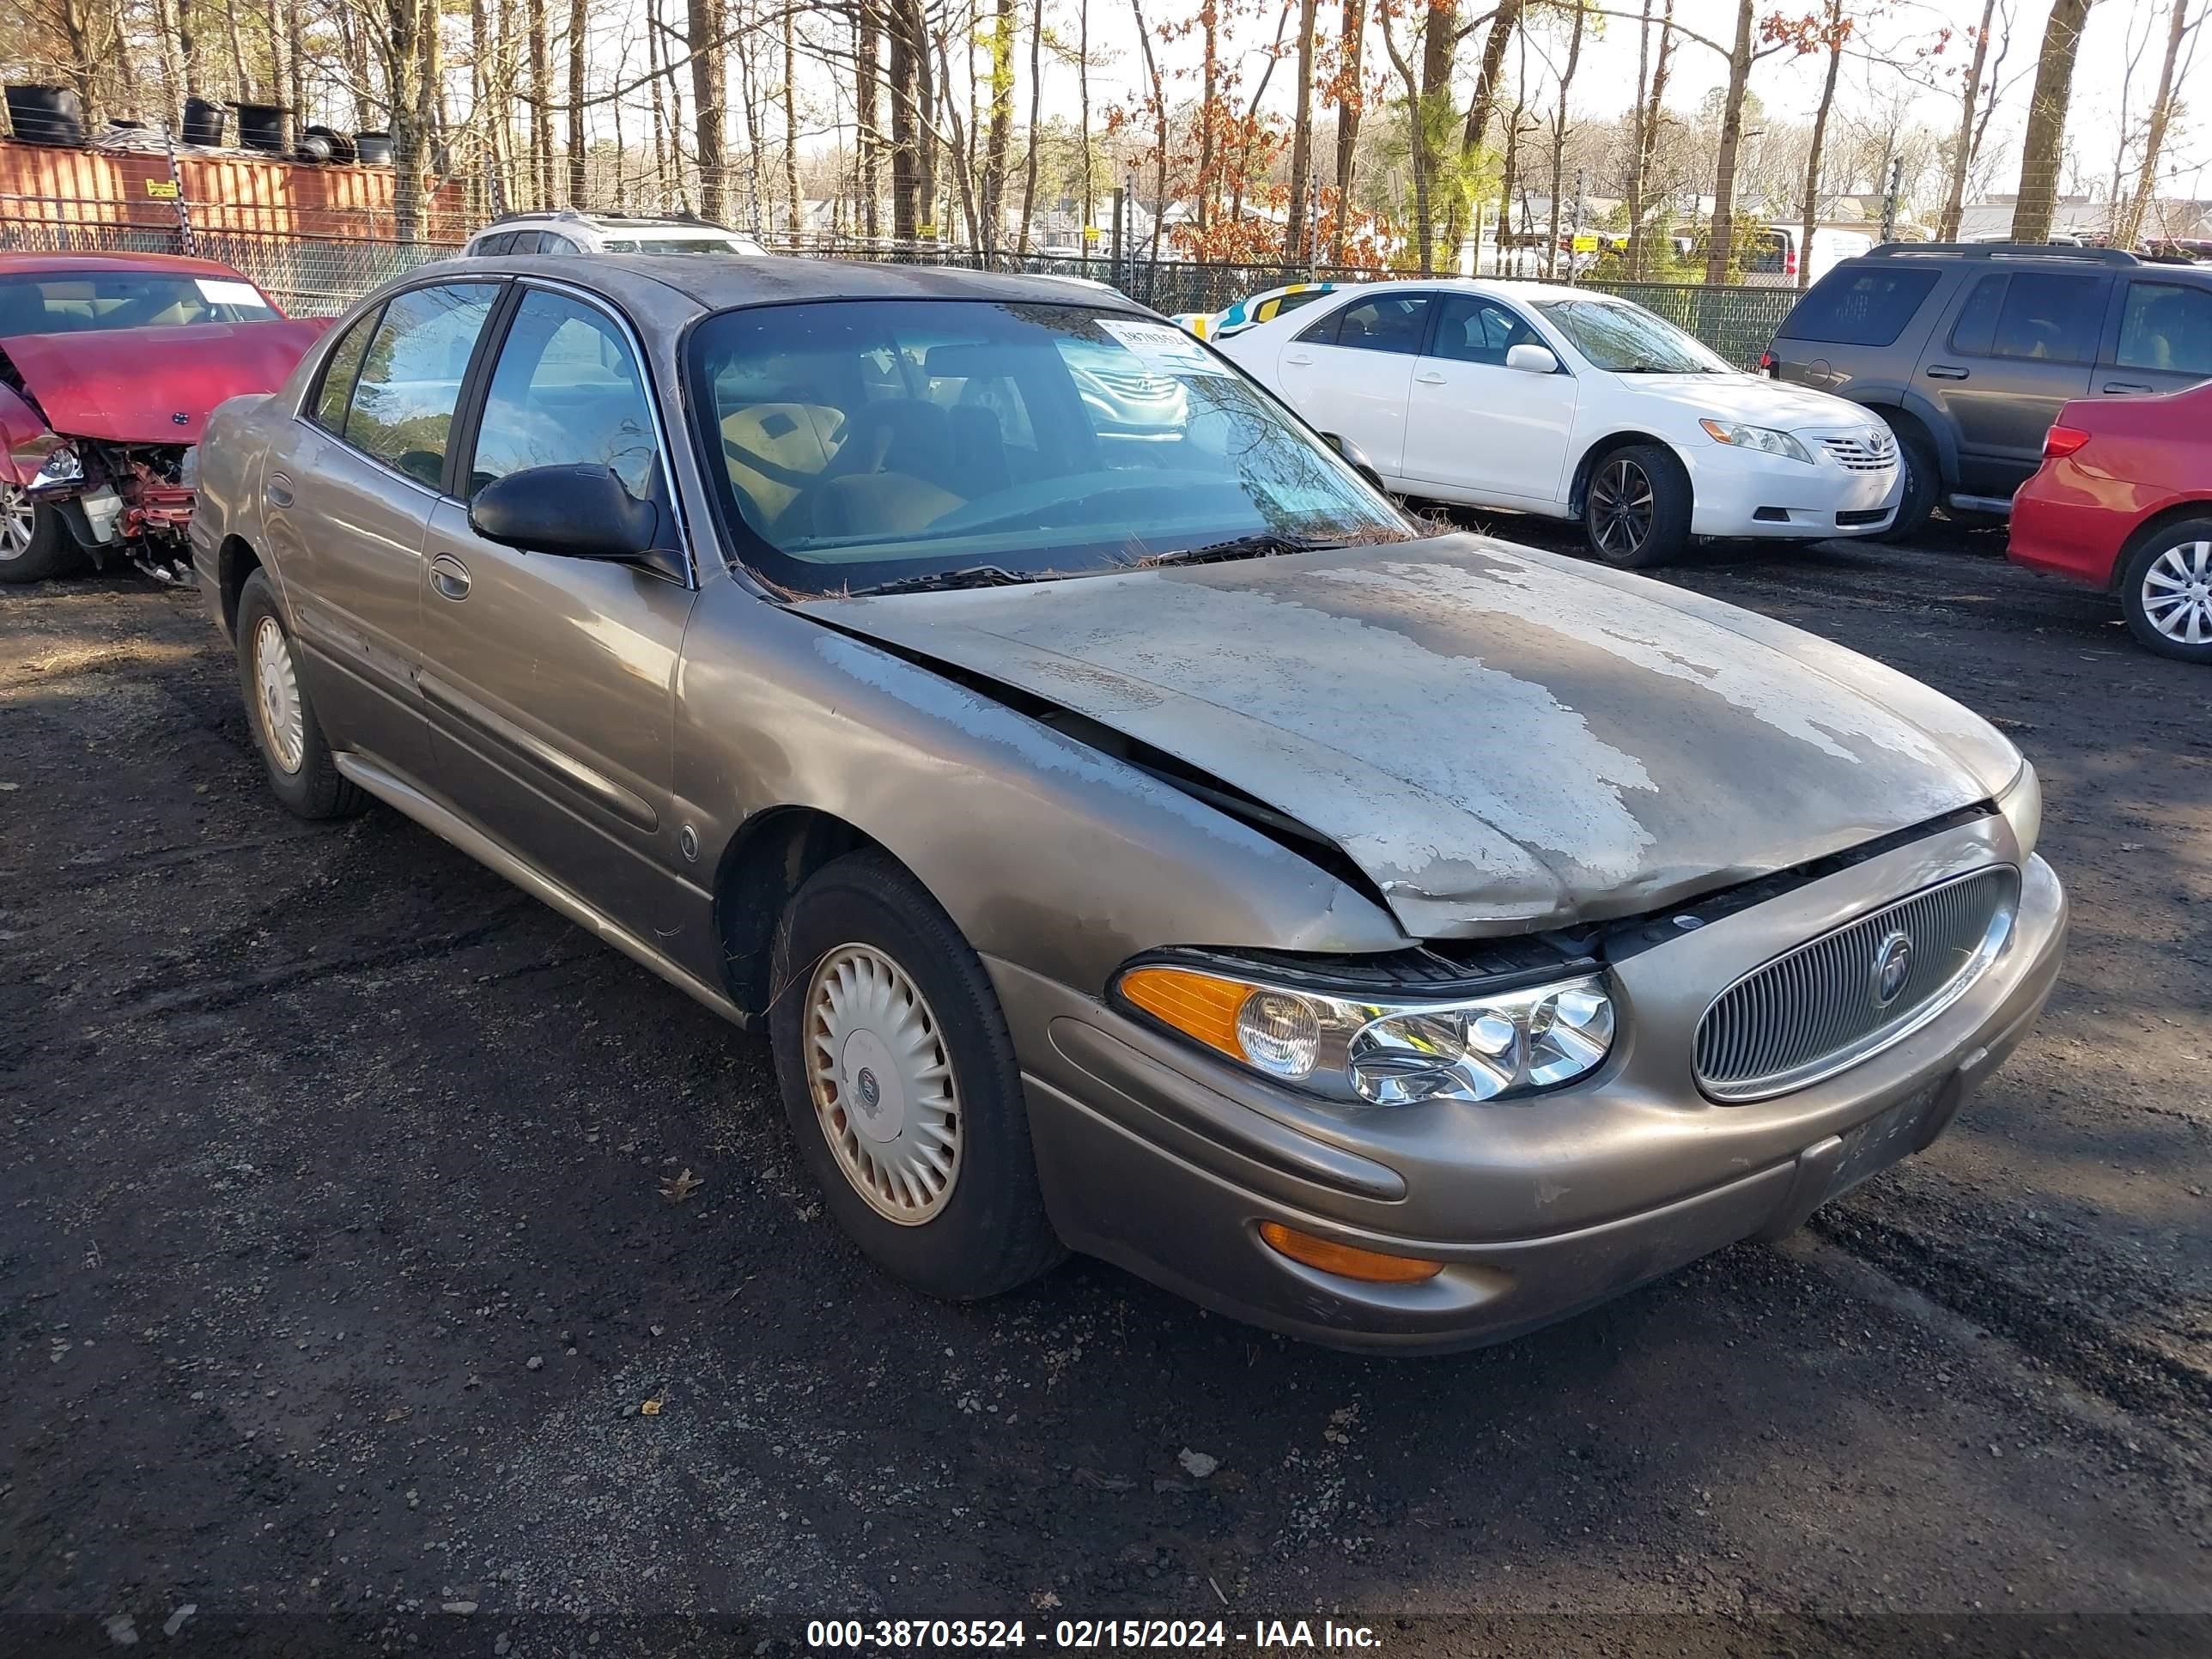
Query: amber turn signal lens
{"x": 1197, "y": 1005}
{"x": 1346, "y": 1261}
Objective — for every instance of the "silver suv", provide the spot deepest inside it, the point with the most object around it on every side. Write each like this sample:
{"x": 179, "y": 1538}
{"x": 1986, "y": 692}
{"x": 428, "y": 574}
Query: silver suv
{"x": 1968, "y": 351}
{"x": 570, "y": 232}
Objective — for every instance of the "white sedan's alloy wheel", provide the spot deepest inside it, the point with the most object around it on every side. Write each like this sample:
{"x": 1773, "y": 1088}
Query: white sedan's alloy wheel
{"x": 19, "y": 521}
{"x": 284, "y": 722}
{"x": 882, "y": 1083}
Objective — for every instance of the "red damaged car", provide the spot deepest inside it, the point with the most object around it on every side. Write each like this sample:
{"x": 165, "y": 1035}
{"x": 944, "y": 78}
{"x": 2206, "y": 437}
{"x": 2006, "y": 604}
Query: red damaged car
{"x": 2124, "y": 503}
{"x": 109, "y": 365}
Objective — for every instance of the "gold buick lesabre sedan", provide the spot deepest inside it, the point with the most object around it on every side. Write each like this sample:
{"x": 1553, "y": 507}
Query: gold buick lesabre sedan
{"x": 1134, "y": 834}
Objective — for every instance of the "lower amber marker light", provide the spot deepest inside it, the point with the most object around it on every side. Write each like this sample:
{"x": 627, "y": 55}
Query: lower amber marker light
{"x": 1346, "y": 1261}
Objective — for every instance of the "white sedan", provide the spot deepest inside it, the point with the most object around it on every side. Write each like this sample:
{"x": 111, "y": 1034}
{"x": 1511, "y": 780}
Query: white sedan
{"x": 1573, "y": 405}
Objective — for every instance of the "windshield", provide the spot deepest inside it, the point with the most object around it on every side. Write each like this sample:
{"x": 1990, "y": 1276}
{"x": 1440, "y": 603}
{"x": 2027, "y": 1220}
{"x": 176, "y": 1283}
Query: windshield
{"x": 681, "y": 244}
{"x": 1628, "y": 339}
{"x": 88, "y": 301}
{"x": 904, "y": 441}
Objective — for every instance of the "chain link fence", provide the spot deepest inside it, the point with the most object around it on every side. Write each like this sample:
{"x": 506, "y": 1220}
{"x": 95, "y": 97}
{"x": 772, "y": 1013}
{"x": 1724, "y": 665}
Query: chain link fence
{"x": 308, "y": 276}
{"x": 313, "y": 276}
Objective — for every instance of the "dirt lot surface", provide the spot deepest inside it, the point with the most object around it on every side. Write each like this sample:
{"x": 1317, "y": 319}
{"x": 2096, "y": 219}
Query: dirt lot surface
{"x": 336, "y": 1273}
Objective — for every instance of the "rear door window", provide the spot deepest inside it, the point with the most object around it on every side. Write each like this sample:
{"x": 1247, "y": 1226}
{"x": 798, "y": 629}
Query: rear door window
{"x": 2167, "y": 325}
{"x": 339, "y": 369}
{"x": 2032, "y": 315}
{"x": 1861, "y": 305}
{"x": 1388, "y": 322}
{"x": 411, "y": 379}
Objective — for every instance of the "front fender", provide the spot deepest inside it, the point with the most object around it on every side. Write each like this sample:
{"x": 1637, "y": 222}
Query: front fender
{"x": 1046, "y": 852}
{"x": 21, "y": 428}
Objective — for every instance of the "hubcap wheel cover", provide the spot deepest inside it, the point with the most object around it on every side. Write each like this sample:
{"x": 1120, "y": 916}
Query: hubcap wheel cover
{"x": 18, "y": 521}
{"x": 284, "y": 723}
{"x": 2177, "y": 593}
{"x": 1620, "y": 508}
{"x": 881, "y": 1079}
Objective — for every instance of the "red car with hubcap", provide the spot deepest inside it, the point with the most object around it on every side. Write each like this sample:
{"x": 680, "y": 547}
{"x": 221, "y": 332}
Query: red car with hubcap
{"x": 2124, "y": 503}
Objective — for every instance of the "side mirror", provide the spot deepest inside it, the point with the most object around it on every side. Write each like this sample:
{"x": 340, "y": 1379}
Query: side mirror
{"x": 574, "y": 512}
{"x": 1356, "y": 458}
{"x": 1532, "y": 359}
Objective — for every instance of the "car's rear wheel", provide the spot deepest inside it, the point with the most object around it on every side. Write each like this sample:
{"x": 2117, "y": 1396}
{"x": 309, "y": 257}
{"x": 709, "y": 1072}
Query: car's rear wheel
{"x": 1924, "y": 480}
{"x": 1636, "y": 512}
{"x": 2166, "y": 590}
{"x": 34, "y": 543}
{"x": 899, "y": 1079}
{"x": 301, "y": 769}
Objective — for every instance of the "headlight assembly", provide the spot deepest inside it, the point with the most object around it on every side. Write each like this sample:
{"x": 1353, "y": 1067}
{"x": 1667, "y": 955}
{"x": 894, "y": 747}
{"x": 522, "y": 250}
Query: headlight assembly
{"x": 2021, "y": 804}
{"x": 1382, "y": 1050}
{"x": 1764, "y": 439}
{"x": 61, "y": 466}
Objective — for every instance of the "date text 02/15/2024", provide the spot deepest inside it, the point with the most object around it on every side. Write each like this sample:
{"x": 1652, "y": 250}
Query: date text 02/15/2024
{"x": 1085, "y": 1634}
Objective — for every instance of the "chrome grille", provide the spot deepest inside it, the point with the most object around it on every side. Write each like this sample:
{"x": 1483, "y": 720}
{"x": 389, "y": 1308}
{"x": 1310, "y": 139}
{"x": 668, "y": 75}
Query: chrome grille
{"x": 1809, "y": 1013}
{"x": 1864, "y": 455}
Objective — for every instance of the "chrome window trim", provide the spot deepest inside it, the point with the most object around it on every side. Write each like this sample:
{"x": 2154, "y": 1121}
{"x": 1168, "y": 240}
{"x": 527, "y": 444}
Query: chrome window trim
{"x": 1995, "y": 937}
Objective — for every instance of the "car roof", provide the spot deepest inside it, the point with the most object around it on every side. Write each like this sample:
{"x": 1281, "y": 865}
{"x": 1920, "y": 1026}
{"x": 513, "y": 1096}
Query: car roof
{"x": 19, "y": 263}
{"x": 1484, "y": 285}
{"x": 656, "y": 287}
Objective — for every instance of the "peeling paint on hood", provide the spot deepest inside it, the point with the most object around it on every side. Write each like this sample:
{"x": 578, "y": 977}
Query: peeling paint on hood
{"x": 1502, "y": 739}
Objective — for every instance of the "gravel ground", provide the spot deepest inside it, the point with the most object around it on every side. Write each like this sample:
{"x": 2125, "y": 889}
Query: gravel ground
{"x": 341, "y": 1302}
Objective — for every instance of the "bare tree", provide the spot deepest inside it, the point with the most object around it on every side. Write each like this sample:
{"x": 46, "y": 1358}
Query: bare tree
{"x": 1963, "y": 148}
{"x": 578, "y": 21}
{"x": 2128, "y": 227}
{"x": 1351, "y": 96}
{"x": 2042, "y": 145}
{"x": 1295, "y": 233}
{"x": 710, "y": 99}
{"x": 1836, "y": 29}
{"x": 1036, "y": 129}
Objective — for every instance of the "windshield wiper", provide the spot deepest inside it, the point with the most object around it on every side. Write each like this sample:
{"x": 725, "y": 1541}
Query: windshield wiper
{"x": 1265, "y": 545}
{"x": 974, "y": 575}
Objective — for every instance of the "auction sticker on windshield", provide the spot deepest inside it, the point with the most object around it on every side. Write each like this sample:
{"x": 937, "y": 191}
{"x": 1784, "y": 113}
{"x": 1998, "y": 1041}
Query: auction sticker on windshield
{"x": 217, "y": 292}
{"x": 1158, "y": 346}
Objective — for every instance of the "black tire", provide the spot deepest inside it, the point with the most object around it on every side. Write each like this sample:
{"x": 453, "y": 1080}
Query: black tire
{"x": 989, "y": 1233}
{"x": 1923, "y": 482}
{"x": 49, "y": 551}
{"x": 2171, "y": 573}
{"x": 314, "y": 787}
{"x": 1636, "y": 509}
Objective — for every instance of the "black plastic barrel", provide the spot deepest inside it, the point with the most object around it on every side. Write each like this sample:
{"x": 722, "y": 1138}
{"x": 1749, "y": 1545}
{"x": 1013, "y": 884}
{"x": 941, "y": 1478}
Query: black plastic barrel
{"x": 374, "y": 149}
{"x": 313, "y": 147}
{"x": 261, "y": 126}
{"x": 334, "y": 145}
{"x": 203, "y": 122}
{"x": 45, "y": 115}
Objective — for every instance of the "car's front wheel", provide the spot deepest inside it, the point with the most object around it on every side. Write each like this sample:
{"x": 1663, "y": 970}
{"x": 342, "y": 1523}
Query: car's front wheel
{"x": 302, "y": 771}
{"x": 34, "y": 543}
{"x": 1924, "y": 480}
{"x": 899, "y": 1079}
{"x": 2166, "y": 590}
{"x": 1636, "y": 512}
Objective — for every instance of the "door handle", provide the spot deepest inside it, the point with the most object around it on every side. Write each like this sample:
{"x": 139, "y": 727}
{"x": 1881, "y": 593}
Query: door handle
{"x": 279, "y": 491}
{"x": 1945, "y": 371}
{"x": 1297, "y": 357}
{"x": 2125, "y": 386}
{"x": 449, "y": 577}
{"x": 1430, "y": 377}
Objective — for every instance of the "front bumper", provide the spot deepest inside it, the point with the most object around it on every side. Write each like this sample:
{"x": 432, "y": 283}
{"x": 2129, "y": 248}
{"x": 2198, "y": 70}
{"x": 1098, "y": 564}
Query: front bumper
{"x": 1158, "y": 1158}
{"x": 1736, "y": 493}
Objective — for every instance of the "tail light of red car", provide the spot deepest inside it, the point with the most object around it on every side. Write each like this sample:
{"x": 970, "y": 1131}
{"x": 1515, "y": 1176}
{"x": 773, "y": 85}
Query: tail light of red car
{"x": 2061, "y": 442}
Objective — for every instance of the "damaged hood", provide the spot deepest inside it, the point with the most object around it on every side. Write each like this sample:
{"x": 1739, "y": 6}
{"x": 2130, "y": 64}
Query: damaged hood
{"x": 153, "y": 385}
{"x": 1500, "y": 739}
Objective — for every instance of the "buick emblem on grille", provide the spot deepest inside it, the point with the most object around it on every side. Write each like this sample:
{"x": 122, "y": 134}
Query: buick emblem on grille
{"x": 1892, "y": 966}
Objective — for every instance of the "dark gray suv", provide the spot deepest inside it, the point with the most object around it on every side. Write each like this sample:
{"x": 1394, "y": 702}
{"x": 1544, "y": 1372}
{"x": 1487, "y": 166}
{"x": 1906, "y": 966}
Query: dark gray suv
{"x": 1968, "y": 351}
